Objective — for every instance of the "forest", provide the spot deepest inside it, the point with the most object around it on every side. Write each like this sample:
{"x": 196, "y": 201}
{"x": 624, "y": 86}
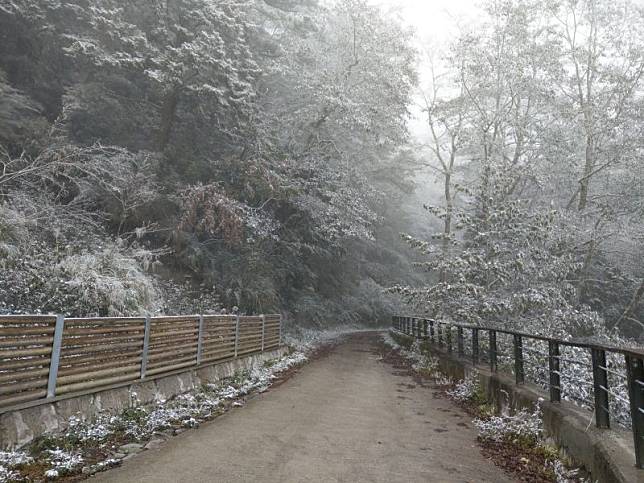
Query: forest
{"x": 190, "y": 156}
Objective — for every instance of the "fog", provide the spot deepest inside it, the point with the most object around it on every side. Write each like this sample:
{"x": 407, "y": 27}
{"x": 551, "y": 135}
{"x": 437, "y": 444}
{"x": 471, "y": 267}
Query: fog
{"x": 334, "y": 161}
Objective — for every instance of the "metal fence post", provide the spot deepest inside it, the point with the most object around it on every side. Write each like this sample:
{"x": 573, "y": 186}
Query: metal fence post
{"x": 475, "y": 346}
{"x": 493, "y": 351}
{"x": 600, "y": 388}
{"x": 280, "y": 342}
{"x": 448, "y": 338}
{"x": 146, "y": 345}
{"x": 519, "y": 373}
{"x": 554, "y": 369}
{"x": 439, "y": 334}
{"x": 431, "y": 330}
{"x": 200, "y": 340}
{"x": 425, "y": 328}
{"x": 635, "y": 373}
{"x": 55, "y": 356}
{"x": 460, "y": 341}
{"x": 263, "y": 330}
{"x": 237, "y": 334}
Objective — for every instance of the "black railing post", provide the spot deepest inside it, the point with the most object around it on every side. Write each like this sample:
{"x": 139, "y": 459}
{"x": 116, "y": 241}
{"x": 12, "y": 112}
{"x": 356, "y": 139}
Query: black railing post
{"x": 460, "y": 341}
{"x": 493, "y": 363}
{"x": 448, "y": 338}
{"x": 554, "y": 369}
{"x": 425, "y": 324}
{"x": 439, "y": 333}
{"x": 475, "y": 346}
{"x": 431, "y": 330}
{"x": 519, "y": 373}
{"x": 418, "y": 334}
{"x": 600, "y": 388}
{"x": 635, "y": 373}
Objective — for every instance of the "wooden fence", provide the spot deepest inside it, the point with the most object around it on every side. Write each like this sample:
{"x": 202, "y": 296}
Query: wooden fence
{"x": 48, "y": 357}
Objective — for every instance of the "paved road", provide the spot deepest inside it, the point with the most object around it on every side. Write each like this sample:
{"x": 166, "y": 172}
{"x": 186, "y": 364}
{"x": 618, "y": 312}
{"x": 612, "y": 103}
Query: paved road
{"x": 347, "y": 417}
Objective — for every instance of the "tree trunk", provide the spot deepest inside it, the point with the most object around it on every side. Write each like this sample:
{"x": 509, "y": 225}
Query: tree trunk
{"x": 588, "y": 169}
{"x": 581, "y": 287}
{"x": 448, "y": 222}
{"x": 168, "y": 117}
{"x": 630, "y": 309}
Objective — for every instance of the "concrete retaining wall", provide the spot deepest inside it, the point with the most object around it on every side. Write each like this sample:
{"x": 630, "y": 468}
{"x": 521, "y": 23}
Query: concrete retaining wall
{"x": 607, "y": 454}
{"x": 19, "y": 427}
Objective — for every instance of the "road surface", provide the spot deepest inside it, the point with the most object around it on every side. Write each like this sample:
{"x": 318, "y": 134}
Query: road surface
{"x": 346, "y": 417}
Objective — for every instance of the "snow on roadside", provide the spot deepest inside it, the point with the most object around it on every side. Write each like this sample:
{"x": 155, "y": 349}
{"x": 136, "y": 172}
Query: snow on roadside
{"x": 139, "y": 424}
{"x": 9, "y": 461}
{"x": 524, "y": 424}
{"x": 420, "y": 360}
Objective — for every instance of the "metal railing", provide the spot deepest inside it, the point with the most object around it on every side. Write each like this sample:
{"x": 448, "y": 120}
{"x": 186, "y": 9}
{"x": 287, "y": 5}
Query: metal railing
{"x": 522, "y": 351}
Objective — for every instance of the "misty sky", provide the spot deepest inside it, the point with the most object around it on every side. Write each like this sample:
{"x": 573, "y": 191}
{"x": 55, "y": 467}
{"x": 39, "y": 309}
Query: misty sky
{"x": 436, "y": 23}
{"x": 435, "y": 19}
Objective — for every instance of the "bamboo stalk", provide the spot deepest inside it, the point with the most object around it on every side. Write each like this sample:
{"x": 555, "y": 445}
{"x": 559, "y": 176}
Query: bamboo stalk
{"x": 13, "y": 388}
{"x": 97, "y": 330}
{"x": 27, "y": 319}
{"x": 81, "y": 322}
{"x": 22, "y": 363}
{"x": 98, "y": 348}
{"x": 172, "y": 361}
{"x": 84, "y": 341}
{"x": 160, "y": 370}
{"x": 179, "y": 335}
{"x": 74, "y": 359}
{"x": 90, "y": 375}
{"x": 172, "y": 343}
{"x": 96, "y": 383}
{"x": 107, "y": 363}
{"x": 218, "y": 357}
{"x": 175, "y": 319}
{"x": 21, "y": 375}
{"x": 25, "y": 341}
{"x": 211, "y": 353}
{"x": 6, "y": 331}
{"x": 10, "y": 354}
{"x": 30, "y": 396}
{"x": 162, "y": 350}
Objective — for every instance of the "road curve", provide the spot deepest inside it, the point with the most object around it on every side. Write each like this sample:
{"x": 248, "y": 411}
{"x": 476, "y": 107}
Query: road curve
{"x": 346, "y": 417}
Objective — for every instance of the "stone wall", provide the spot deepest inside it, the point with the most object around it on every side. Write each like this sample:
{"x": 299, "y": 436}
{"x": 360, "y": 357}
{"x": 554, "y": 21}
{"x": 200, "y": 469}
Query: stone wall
{"x": 22, "y": 426}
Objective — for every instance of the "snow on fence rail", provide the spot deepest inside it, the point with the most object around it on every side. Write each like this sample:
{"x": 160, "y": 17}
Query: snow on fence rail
{"x": 46, "y": 357}
{"x": 607, "y": 380}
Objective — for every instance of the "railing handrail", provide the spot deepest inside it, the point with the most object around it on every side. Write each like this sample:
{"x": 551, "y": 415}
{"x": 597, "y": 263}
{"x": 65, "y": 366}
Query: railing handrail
{"x": 631, "y": 351}
{"x": 633, "y": 361}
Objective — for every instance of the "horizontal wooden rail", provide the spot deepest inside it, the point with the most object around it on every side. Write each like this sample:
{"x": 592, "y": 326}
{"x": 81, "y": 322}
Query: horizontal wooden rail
{"x": 47, "y": 358}
{"x": 633, "y": 363}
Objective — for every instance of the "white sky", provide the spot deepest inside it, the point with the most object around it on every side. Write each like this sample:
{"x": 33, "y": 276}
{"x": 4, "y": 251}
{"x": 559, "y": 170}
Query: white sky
{"x": 435, "y": 19}
{"x": 436, "y": 23}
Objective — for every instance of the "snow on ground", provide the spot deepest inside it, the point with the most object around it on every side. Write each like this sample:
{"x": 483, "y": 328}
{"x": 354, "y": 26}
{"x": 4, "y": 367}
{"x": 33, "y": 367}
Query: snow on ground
{"x": 524, "y": 424}
{"x": 139, "y": 424}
